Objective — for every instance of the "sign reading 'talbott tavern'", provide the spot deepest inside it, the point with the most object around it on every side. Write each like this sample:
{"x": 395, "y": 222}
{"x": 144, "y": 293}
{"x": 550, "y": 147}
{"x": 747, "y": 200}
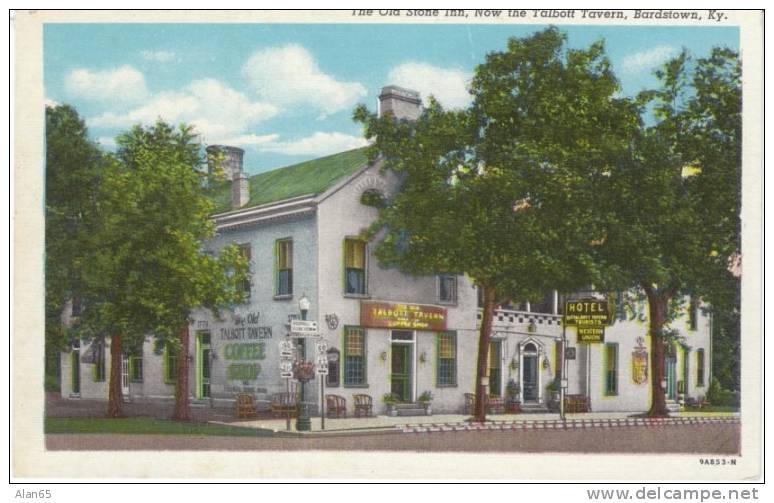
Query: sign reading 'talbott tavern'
{"x": 589, "y": 317}
{"x": 409, "y": 316}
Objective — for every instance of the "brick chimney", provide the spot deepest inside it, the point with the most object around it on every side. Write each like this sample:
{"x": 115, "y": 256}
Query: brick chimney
{"x": 240, "y": 190}
{"x": 400, "y": 102}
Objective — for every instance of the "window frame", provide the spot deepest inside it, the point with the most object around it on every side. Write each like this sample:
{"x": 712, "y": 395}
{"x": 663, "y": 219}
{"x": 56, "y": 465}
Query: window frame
{"x": 99, "y": 368}
{"x": 693, "y": 313}
{"x": 277, "y": 270}
{"x": 247, "y": 286}
{"x": 135, "y": 363}
{"x": 364, "y": 293}
{"x": 616, "y": 388}
{"x": 700, "y": 371}
{"x": 439, "y": 359}
{"x": 345, "y": 357}
{"x": 170, "y": 371}
{"x": 439, "y": 282}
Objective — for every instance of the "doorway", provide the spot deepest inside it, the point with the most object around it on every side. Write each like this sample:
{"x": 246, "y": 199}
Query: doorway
{"x": 529, "y": 376}
{"x": 670, "y": 372}
{"x": 203, "y": 365}
{"x": 401, "y": 365}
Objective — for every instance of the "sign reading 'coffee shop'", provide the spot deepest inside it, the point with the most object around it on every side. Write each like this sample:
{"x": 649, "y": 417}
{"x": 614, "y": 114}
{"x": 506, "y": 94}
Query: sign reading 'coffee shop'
{"x": 409, "y": 316}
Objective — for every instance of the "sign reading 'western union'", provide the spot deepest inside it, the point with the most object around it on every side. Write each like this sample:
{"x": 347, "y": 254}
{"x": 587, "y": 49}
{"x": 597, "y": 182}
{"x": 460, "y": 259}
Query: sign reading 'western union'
{"x": 409, "y": 316}
{"x": 589, "y": 316}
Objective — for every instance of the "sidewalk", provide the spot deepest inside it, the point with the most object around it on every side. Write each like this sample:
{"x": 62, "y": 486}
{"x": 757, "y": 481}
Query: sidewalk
{"x": 459, "y": 422}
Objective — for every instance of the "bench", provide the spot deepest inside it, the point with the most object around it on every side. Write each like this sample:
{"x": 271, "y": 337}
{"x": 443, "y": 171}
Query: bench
{"x": 364, "y": 405}
{"x": 284, "y": 404}
{"x": 576, "y": 403}
{"x": 335, "y": 405}
{"x": 245, "y": 406}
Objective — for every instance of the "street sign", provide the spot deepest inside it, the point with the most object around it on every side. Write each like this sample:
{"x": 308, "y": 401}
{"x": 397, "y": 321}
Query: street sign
{"x": 286, "y": 349}
{"x": 286, "y": 368}
{"x": 303, "y": 328}
{"x": 321, "y": 347}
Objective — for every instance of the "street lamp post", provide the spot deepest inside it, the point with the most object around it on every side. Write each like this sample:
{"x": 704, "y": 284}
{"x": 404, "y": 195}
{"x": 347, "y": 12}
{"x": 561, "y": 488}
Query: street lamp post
{"x": 303, "y": 422}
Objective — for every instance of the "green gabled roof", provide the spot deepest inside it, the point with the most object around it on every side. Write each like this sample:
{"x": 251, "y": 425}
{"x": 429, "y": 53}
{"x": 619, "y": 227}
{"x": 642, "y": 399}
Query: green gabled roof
{"x": 306, "y": 178}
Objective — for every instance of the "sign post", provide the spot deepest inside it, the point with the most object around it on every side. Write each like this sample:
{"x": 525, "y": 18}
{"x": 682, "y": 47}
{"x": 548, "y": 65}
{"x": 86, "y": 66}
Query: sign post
{"x": 321, "y": 366}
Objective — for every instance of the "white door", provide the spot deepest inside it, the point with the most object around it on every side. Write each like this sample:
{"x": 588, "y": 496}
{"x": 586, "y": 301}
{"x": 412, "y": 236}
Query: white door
{"x": 125, "y": 376}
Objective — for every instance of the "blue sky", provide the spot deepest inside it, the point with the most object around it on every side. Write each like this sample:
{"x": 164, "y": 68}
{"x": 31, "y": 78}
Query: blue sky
{"x": 285, "y": 92}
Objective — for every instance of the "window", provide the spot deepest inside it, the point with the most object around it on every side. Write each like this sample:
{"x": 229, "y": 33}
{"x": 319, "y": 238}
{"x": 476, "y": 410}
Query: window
{"x": 354, "y": 356}
{"x": 246, "y": 251}
{"x": 480, "y": 296}
{"x": 446, "y": 371}
{"x": 447, "y": 289}
{"x": 135, "y": 368}
{"x": 700, "y": 367}
{"x": 284, "y": 261}
{"x": 495, "y": 374}
{"x": 355, "y": 267}
{"x": 693, "y": 313}
{"x": 611, "y": 369}
{"x": 99, "y": 361}
{"x": 170, "y": 364}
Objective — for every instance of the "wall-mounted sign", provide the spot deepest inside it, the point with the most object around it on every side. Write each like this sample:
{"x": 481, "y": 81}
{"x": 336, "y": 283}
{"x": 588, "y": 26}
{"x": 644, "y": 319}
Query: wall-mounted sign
{"x": 243, "y": 371}
{"x": 640, "y": 362}
{"x": 332, "y": 321}
{"x": 249, "y": 351}
{"x": 410, "y": 316}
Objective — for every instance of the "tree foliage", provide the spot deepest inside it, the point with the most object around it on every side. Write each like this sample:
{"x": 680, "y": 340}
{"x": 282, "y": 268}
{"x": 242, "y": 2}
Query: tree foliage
{"x": 503, "y": 191}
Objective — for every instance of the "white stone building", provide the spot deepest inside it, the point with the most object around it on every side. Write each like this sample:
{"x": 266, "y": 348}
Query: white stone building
{"x": 386, "y": 331}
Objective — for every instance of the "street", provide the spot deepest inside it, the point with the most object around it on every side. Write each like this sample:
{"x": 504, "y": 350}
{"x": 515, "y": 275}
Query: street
{"x": 719, "y": 438}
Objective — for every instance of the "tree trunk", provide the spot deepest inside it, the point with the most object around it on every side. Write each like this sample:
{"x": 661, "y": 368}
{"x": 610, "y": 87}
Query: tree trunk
{"x": 115, "y": 399}
{"x": 657, "y": 309}
{"x": 182, "y": 405}
{"x": 482, "y": 369}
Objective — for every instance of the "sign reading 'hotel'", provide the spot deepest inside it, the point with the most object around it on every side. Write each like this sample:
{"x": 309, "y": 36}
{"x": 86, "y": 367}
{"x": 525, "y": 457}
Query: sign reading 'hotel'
{"x": 408, "y": 316}
{"x": 589, "y": 317}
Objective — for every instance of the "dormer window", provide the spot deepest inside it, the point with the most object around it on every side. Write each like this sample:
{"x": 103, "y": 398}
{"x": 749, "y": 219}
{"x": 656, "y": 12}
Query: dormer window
{"x": 372, "y": 197}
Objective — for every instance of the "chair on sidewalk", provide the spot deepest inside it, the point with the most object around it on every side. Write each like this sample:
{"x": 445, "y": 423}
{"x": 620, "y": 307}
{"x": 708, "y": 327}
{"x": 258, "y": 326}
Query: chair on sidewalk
{"x": 284, "y": 405}
{"x": 364, "y": 405}
{"x": 335, "y": 406}
{"x": 245, "y": 406}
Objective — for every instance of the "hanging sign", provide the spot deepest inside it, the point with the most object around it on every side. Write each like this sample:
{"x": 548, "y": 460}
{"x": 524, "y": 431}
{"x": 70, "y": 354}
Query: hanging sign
{"x": 410, "y": 316}
{"x": 589, "y": 317}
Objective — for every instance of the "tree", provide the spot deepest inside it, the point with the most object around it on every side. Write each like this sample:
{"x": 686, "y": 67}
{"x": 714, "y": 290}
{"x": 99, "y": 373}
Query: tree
{"x": 149, "y": 270}
{"x": 673, "y": 205}
{"x": 496, "y": 191}
{"x": 73, "y": 172}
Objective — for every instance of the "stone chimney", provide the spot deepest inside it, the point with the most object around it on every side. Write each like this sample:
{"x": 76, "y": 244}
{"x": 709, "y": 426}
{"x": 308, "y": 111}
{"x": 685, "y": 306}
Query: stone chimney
{"x": 400, "y": 102}
{"x": 240, "y": 190}
{"x": 232, "y": 159}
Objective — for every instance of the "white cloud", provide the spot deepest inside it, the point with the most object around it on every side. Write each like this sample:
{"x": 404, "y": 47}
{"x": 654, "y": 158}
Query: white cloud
{"x": 250, "y": 139}
{"x": 448, "y": 85}
{"x": 317, "y": 144}
{"x": 215, "y": 110}
{"x": 119, "y": 84}
{"x": 158, "y": 56}
{"x": 289, "y": 75}
{"x": 648, "y": 59}
{"x": 51, "y": 103}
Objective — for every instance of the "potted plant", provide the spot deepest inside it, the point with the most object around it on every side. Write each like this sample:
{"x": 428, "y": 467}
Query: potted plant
{"x": 425, "y": 399}
{"x": 390, "y": 399}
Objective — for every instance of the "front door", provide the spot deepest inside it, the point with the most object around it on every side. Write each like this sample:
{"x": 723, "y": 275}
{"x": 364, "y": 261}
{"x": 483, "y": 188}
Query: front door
{"x": 203, "y": 362}
{"x": 671, "y": 377}
{"x": 530, "y": 378}
{"x": 401, "y": 371}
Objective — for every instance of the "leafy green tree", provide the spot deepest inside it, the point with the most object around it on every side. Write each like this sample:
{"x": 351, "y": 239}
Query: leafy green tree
{"x": 149, "y": 270}
{"x": 673, "y": 205}
{"x": 502, "y": 191}
{"x": 73, "y": 171}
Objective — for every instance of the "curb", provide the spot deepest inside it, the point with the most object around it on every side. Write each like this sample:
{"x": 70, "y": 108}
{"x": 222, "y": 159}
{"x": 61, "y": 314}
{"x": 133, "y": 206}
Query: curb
{"x": 565, "y": 425}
